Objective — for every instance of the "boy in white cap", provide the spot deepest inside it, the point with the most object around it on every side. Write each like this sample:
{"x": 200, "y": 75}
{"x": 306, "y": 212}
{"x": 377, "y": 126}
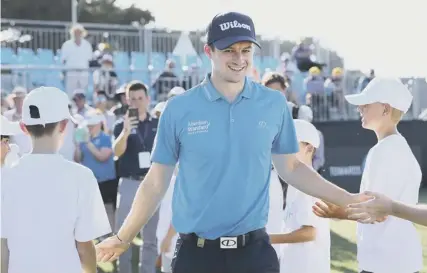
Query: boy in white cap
{"x": 306, "y": 235}
{"x": 392, "y": 246}
{"x": 8, "y": 129}
{"x": 57, "y": 199}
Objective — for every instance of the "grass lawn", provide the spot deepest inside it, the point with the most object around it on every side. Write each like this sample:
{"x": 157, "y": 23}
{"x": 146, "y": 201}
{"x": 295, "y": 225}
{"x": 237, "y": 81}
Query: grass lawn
{"x": 343, "y": 251}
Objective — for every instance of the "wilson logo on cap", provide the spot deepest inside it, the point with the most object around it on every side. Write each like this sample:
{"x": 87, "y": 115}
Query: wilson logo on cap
{"x": 235, "y": 24}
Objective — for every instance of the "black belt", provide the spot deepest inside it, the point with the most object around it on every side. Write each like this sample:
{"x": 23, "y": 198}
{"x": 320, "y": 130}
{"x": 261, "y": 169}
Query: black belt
{"x": 226, "y": 242}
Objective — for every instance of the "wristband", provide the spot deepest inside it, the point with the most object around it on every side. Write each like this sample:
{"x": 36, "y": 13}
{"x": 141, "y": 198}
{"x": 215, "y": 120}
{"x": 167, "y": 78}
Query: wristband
{"x": 121, "y": 241}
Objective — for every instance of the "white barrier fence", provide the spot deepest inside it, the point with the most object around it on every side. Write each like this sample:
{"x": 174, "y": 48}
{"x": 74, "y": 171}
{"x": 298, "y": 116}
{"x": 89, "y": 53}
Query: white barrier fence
{"x": 331, "y": 107}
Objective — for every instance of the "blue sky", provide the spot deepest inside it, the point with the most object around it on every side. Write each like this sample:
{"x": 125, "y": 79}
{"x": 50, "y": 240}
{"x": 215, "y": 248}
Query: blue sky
{"x": 385, "y": 35}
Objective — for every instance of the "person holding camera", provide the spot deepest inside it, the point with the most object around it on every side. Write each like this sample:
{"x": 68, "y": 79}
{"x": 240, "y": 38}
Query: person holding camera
{"x": 134, "y": 136}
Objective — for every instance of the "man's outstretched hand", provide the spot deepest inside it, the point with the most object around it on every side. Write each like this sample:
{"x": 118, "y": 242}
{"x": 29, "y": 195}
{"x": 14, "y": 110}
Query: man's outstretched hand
{"x": 375, "y": 209}
{"x": 110, "y": 249}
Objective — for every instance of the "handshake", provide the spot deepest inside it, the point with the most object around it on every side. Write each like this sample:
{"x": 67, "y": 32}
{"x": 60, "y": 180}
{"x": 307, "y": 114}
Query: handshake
{"x": 371, "y": 208}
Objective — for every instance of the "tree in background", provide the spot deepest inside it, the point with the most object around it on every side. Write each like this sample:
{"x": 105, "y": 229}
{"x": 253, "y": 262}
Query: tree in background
{"x": 89, "y": 11}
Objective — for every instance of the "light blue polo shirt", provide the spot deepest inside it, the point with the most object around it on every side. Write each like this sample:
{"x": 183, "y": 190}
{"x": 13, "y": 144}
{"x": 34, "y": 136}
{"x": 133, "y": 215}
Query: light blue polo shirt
{"x": 224, "y": 152}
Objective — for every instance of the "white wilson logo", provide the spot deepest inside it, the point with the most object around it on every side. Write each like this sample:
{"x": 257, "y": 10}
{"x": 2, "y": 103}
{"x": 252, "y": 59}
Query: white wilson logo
{"x": 235, "y": 24}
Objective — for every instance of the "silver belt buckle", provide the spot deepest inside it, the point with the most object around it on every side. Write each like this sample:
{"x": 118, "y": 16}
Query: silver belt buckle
{"x": 228, "y": 242}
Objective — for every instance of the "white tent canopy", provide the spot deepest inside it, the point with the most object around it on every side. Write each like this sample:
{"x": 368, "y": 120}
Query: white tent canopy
{"x": 184, "y": 48}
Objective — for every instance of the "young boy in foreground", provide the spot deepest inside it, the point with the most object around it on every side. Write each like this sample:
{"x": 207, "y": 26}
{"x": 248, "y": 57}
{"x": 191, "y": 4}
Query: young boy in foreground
{"x": 392, "y": 246}
{"x": 51, "y": 207}
{"x": 307, "y": 237}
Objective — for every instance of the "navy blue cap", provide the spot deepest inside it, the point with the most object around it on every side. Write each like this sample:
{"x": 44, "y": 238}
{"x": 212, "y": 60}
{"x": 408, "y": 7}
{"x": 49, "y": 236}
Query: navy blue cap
{"x": 229, "y": 28}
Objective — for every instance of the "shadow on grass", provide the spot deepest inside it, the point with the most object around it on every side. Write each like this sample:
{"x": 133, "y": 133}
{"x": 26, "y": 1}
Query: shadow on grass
{"x": 343, "y": 252}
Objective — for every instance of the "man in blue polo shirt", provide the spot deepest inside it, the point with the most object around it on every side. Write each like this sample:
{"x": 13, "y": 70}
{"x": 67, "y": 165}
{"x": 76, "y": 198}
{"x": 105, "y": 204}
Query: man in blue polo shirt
{"x": 224, "y": 133}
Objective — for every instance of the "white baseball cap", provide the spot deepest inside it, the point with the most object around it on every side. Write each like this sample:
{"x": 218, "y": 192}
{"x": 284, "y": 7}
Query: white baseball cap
{"x": 45, "y": 105}
{"x": 177, "y": 90}
{"x": 384, "y": 90}
{"x": 93, "y": 118}
{"x": 160, "y": 107}
{"x": 9, "y": 128}
{"x": 306, "y": 132}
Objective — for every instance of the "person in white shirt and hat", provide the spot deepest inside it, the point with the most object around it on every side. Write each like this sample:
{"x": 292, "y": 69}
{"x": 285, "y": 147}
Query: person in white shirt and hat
{"x": 75, "y": 55}
{"x": 58, "y": 200}
{"x": 393, "y": 245}
{"x": 306, "y": 238}
{"x": 9, "y": 152}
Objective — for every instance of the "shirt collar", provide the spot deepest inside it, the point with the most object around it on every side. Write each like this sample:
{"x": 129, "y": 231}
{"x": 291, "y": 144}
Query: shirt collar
{"x": 212, "y": 94}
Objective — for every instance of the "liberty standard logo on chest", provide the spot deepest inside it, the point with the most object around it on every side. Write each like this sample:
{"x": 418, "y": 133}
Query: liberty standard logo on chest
{"x": 198, "y": 127}
{"x": 235, "y": 24}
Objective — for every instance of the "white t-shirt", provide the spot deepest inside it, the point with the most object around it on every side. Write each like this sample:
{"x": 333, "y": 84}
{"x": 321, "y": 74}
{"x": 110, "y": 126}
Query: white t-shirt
{"x": 47, "y": 204}
{"x": 311, "y": 256}
{"x": 76, "y": 56}
{"x": 165, "y": 219}
{"x": 275, "y": 213}
{"x": 393, "y": 246}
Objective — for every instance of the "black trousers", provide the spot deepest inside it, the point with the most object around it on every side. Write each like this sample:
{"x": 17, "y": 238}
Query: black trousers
{"x": 108, "y": 191}
{"x": 255, "y": 255}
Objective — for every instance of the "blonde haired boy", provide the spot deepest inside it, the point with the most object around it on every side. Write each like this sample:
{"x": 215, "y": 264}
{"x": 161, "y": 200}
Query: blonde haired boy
{"x": 392, "y": 246}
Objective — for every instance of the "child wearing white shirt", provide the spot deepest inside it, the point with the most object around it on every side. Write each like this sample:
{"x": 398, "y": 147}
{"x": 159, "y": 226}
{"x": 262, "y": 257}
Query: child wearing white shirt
{"x": 275, "y": 212}
{"x": 306, "y": 237}
{"x": 393, "y": 245}
{"x": 47, "y": 201}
